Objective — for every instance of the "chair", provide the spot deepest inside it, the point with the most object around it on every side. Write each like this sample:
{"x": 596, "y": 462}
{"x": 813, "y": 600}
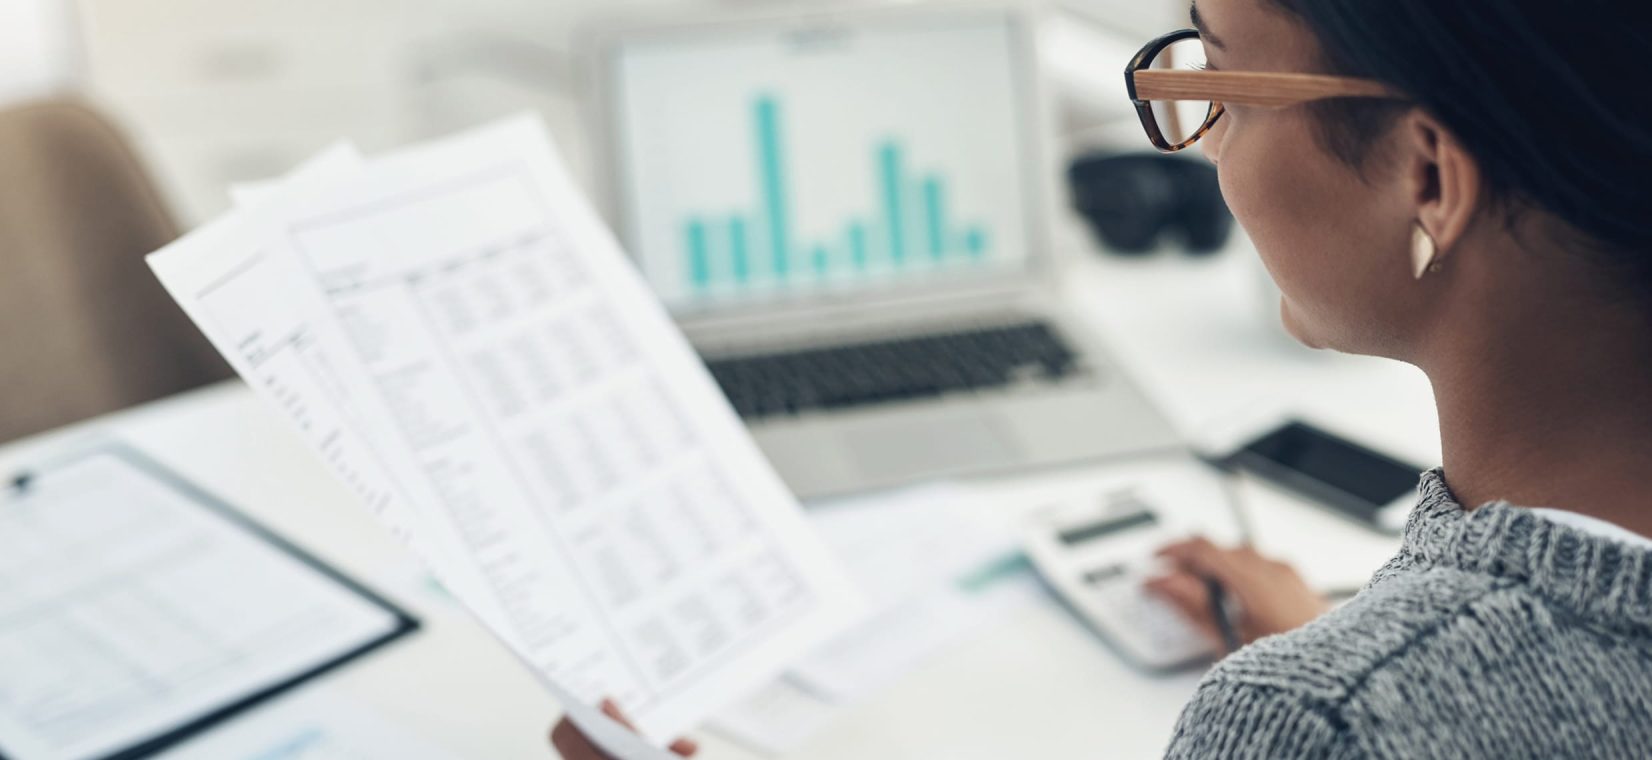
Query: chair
{"x": 84, "y": 326}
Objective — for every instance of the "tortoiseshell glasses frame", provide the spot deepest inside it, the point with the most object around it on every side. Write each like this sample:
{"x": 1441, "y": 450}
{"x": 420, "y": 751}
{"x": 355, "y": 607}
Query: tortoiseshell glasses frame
{"x": 1247, "y": 88}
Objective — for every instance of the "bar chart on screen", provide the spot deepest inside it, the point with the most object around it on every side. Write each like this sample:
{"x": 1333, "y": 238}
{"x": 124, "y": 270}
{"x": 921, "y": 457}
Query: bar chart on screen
{"x": 769, "y": 163}
{"x": 906, "y": 223}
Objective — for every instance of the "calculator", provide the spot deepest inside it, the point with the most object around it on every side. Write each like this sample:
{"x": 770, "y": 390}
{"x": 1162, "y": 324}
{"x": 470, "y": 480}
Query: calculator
{"x": 1096, "y": 555}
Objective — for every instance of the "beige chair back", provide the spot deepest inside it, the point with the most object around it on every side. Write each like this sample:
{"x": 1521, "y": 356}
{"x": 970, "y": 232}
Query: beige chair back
{"x": 84, "y": 327}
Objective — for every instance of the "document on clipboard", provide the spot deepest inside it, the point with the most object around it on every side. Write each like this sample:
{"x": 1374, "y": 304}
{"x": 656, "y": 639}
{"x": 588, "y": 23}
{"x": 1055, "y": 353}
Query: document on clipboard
{"x": 136, "y": 611}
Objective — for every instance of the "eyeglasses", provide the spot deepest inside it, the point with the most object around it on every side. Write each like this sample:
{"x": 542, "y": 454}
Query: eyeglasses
{"x": 1179, "y": 101}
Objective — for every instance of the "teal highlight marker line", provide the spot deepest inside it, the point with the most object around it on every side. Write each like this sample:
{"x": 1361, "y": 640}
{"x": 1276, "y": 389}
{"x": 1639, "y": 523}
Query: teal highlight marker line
{"x": 975, "y": 242}
{"x": 934, "y": 216}
{"x": 978, "y": 580}
{"x": 699, "y": 254}
{"x": 772, "y": 172}
{"x": 889, "y": 174}
{"x": 857, "y": 246}
{"x": 739, "y": 251}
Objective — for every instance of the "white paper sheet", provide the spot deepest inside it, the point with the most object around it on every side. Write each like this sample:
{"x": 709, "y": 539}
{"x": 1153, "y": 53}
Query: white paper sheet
{"x": 464, "y": 343}
{"x": 777, "y": 720}
{"x": 933, "y": 575}
{"x": 902, "y": 639}
{"x": 128, "y": 610}
{"x": 313, "y": 724}
{"x": 899, "y": 544}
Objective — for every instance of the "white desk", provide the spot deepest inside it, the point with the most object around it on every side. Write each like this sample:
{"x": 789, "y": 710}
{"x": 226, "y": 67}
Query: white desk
{"x": 1193, "y": 331}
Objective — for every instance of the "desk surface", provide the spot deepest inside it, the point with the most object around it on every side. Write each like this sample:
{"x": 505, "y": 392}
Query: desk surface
{"x": 1196, "y": 332}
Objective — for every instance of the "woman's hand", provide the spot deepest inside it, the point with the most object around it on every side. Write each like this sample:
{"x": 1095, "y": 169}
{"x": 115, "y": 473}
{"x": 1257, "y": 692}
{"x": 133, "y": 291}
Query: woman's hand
{"x": 571, "y": 743}
{"x": 1271, "y": 596}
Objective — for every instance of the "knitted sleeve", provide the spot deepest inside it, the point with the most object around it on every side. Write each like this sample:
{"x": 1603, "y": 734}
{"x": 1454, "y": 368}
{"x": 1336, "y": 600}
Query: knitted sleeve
{"x": 1239, "y": 721}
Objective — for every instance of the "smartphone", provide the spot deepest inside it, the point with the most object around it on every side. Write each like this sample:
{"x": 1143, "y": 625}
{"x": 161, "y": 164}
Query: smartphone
{"x": 1373, "y": 488}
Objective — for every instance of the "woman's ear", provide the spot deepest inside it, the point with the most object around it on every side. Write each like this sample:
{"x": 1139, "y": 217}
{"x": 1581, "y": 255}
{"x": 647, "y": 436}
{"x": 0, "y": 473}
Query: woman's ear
{"x": 1445, "y": 180}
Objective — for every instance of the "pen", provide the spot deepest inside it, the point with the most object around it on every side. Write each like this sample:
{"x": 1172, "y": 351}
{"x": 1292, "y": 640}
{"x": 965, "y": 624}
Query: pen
{"x": 1220, "y": 610}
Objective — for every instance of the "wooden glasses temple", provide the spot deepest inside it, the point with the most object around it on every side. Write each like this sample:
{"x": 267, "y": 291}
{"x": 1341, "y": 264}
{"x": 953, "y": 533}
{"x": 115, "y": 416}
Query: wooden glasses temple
{"x": 1245, "y": 88}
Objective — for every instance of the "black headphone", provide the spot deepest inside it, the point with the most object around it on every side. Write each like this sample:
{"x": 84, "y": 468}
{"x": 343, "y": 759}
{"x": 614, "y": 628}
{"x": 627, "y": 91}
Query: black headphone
{"x": 1132, "y": 201}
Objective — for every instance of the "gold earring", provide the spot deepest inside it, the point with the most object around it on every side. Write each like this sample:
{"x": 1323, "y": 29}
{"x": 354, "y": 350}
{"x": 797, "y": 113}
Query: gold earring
{"x": 1425, "y": 253}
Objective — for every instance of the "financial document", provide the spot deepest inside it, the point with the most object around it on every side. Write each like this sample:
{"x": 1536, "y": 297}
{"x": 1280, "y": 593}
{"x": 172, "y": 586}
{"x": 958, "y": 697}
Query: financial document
{"x": 130, "y": 611}
{"x": 464, "y": 343}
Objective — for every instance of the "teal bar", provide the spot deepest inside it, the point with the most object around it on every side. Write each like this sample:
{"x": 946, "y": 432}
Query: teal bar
{"x": 699, "y": 254}
{"x": 773, "y": 177}
{"x": 975, "y": 242}
{"x": 934, "y": 217}
{"x": 740, "y": 266}
{"x": 889, "y": 172}
{"x": 857, "y": 245}
{"x": 822, "y": 260}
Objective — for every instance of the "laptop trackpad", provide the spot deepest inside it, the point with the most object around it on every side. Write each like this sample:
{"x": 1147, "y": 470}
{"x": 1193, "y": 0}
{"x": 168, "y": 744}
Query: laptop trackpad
{"x": 930, "y": 444}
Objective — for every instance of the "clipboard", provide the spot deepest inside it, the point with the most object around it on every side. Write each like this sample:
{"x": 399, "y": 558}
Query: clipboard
{"x": 157, "y": 506}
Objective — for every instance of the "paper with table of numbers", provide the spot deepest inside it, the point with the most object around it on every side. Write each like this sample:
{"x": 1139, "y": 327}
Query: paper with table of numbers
{"x": 462, "y": 340}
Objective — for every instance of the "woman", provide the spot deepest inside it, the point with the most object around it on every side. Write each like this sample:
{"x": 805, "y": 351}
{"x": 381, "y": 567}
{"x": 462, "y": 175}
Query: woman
{"x": 1464, "y": 186}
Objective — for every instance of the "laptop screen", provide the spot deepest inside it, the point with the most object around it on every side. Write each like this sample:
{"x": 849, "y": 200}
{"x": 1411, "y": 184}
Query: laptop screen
{"x": 771, "y": 162}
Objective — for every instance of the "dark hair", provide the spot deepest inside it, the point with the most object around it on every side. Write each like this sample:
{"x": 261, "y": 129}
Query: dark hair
{"x": 1549, "y": 96}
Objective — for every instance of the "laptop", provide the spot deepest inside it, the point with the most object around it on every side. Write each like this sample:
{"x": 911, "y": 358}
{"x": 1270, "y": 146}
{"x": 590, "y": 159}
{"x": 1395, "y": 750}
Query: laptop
{"x": 846, "y": 211}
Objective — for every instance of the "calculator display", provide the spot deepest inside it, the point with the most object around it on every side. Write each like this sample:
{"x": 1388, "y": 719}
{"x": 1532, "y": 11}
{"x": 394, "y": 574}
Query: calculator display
{"x": 1103, "y": 528}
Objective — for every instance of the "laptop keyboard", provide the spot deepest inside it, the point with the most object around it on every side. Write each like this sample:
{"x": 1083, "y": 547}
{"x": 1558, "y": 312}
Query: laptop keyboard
{"x": 893, "y": 370}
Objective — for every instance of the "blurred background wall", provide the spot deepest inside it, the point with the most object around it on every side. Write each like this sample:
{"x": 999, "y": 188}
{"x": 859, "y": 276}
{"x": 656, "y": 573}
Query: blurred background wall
{"x": 214, "y": 92}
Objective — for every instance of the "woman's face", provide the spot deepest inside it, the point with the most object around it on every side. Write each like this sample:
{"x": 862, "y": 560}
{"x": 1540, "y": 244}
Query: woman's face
{"x": 1334, "y": 238}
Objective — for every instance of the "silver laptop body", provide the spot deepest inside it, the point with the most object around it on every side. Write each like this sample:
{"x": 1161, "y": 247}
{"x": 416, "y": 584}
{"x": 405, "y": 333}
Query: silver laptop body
{"x": 849, "y": 387}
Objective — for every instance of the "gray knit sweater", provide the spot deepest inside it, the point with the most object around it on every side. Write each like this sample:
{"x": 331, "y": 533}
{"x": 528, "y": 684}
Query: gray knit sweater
{"x": 1494, "y": 633}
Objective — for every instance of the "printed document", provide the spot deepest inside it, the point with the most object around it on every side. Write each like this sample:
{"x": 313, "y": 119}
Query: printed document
{"x": 464, "y": 343}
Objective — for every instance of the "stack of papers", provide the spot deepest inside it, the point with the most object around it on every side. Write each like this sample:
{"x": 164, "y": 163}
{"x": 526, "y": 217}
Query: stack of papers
{"x": 463, "y": 343}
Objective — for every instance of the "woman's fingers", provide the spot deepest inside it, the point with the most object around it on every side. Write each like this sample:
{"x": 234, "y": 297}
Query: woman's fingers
{"x": 1191, "y": 597}
{"x": 1200, "y": 557}
{"x": 572, "y": 744}
{"x": 1271, "y": 595}
{"x": 611, "y": 709}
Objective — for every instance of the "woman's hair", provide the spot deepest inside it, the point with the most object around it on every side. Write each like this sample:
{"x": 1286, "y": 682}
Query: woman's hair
{"x": 1551, "y": 97}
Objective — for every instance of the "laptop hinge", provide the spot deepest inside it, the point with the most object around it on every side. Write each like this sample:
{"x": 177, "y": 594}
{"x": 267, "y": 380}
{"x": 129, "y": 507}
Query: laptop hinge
{"x": 831, "y": 322}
